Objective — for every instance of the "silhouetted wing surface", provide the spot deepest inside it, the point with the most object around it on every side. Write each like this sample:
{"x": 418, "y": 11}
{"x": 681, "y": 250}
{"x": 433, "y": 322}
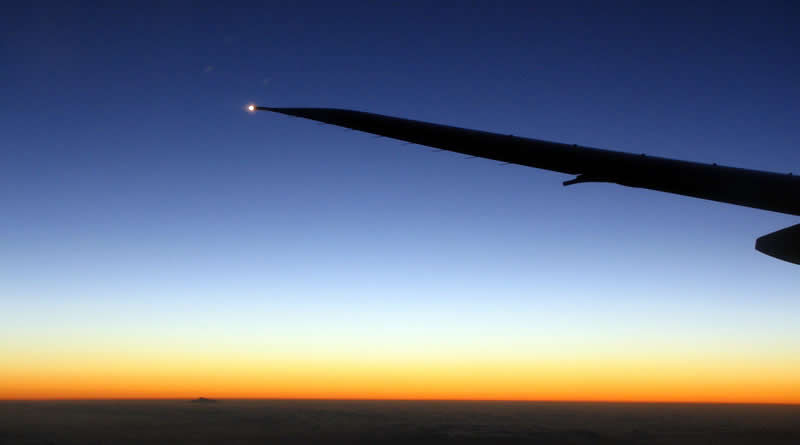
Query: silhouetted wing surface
{"x": 751, "y": 188}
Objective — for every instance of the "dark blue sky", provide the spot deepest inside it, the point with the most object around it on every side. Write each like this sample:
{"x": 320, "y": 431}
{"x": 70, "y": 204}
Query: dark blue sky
{"x": 130, "y": 176}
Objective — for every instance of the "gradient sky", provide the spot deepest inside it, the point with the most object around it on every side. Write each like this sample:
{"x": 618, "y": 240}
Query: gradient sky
{"x": 158, "y": 241}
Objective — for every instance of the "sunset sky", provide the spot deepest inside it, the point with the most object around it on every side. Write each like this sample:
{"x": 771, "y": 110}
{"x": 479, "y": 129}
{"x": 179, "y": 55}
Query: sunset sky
{"x": 157, "y": 241}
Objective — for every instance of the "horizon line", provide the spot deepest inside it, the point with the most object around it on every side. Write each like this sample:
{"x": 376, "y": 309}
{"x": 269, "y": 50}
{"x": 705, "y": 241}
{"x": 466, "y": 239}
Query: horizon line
{"x": 321, "y": 399}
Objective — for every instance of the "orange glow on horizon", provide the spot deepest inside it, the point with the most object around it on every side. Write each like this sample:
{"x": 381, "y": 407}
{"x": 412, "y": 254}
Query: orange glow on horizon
{"x": 286, "y": 379}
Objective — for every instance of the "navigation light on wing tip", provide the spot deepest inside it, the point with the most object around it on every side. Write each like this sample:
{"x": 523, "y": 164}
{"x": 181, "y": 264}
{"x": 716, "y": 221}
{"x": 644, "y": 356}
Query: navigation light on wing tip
{"x": 251, "y": 108}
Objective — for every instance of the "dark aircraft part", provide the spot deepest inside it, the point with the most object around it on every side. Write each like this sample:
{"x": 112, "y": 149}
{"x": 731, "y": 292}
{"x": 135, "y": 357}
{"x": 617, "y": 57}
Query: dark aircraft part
{"x": 751, "y": 188}
{"x": 783, "y": 244}
{"x": 580, "y": 179}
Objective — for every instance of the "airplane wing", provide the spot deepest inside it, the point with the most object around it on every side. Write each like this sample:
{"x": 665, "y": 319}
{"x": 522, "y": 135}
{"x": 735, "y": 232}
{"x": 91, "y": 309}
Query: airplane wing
{"x": 751, "y": 188}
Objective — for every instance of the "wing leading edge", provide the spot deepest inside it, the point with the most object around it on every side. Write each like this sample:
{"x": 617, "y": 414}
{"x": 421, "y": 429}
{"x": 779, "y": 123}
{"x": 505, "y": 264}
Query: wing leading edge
{"x": 751, "y": 188}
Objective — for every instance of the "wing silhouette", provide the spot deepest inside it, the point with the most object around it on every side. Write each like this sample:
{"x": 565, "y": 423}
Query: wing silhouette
{"x": 752, "y": 188}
